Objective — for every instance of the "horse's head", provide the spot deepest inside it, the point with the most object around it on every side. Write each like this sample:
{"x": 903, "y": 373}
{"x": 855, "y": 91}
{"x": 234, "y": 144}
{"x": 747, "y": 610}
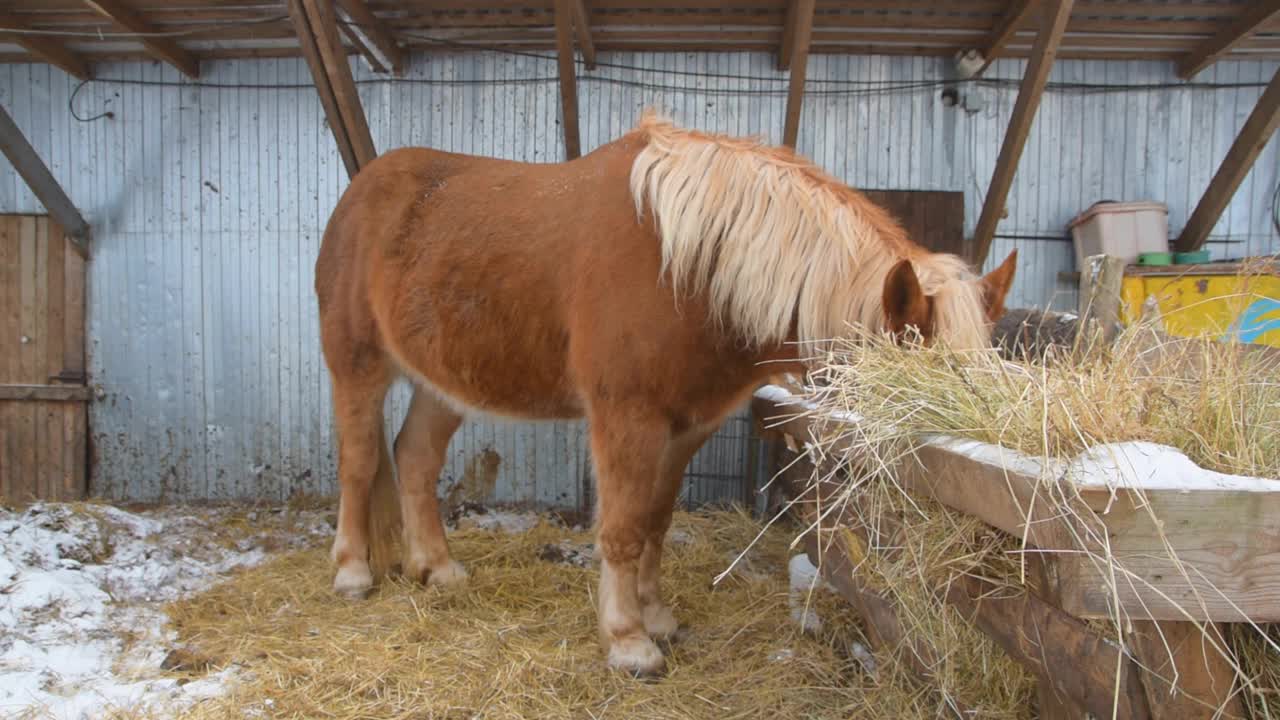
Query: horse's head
{"x": 956, "y": 313}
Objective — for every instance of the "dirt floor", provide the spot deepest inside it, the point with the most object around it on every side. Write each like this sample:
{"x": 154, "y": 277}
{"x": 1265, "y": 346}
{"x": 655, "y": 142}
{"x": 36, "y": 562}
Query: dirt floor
{"x": 202, "y": 613}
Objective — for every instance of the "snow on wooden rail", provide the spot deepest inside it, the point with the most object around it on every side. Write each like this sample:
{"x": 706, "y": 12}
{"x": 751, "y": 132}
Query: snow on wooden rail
{"x": 1133, "y": 503}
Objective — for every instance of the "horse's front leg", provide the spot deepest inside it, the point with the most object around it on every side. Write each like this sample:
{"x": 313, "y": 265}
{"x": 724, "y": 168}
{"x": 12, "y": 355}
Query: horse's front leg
{"x": 659, "y": 621}
{"x": 628, "y": 449}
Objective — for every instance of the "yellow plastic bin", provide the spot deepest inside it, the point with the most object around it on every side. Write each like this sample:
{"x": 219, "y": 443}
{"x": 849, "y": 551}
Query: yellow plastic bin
{"x": 1224, "y": 300}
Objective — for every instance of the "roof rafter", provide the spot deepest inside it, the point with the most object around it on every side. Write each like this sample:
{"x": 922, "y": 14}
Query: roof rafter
{"x": 45, "y": 49}
{"x": 1005, "y": 30}
{"x": 583, "y": 25}
{"x": 376, "y": 42}
{"x": 1211, "y": 50}
{"x": 161, "y": 48}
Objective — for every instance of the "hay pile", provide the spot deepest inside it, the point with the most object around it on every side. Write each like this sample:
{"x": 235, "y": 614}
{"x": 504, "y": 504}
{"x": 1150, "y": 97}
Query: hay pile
{"x": 518, "y": 640}
{"x": 1061, "y": 396}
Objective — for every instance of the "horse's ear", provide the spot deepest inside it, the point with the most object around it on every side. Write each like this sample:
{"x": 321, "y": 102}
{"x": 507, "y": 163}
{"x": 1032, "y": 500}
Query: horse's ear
{"x": 995, "y": 286}
{"x": 904, "y": 301}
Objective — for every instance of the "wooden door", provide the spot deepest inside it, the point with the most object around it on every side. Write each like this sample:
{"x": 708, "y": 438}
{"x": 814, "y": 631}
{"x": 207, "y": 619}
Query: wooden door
{"x": 934, "y": 219}
{"x": 43, "y": 392}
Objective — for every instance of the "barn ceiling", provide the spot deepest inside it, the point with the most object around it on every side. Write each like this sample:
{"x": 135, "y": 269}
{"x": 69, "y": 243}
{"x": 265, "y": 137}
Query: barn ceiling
{"x": 76, "y": 33}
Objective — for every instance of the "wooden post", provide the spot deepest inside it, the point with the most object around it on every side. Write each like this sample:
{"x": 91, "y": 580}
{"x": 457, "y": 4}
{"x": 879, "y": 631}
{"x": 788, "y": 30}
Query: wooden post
{"x": 1100, "y": 285}
{"x": 1205, "y": 680}
{"x": 1253, "y": 137}
{"x": 355, "y": 146}
{"x": 583, "y": 25}
{"x": 160, "y": 48}
{"x": 324, "y": 28}
{"x": 568, "y": 79}
{"x": 42, "y": 183}
{"x": 802, "y": 29}
{"x": 1053, "y": 24}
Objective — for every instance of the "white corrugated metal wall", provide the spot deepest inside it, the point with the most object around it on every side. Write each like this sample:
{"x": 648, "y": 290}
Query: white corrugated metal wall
{"x": 208, "y": 202}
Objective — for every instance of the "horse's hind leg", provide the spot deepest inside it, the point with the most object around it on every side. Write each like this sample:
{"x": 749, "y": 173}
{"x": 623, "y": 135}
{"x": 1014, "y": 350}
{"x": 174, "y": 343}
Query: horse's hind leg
{"x": 659, "y": 622}
{"x": 420, "y": 453}
{"x": 627, "y": 449}
{"x": 362, "y": 454}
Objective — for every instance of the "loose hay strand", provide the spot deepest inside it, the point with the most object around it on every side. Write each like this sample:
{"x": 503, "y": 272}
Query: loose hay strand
{"x": 518, "y": 640}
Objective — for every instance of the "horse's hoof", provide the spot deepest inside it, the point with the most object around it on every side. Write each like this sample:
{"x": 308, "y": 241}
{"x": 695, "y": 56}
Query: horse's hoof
{"x": 353, "y": 582}
{"x": 659, "y": 622}
{"x": 451, "y": 574}
{"x": 638, "y": 657}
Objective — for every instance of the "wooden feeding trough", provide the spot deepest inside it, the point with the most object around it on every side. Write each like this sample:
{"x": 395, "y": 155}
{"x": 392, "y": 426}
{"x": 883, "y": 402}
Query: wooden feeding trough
{"x": 1224, "y": 529}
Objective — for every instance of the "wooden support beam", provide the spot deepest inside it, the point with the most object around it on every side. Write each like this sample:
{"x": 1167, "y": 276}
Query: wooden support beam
{"x": 321, "y": 46}
{"x": 1004, "y": 31}
{"x": 158, "y": 47}
{"x": 1052, "y": 26}
{"x": 788, "y": 32}
{"x": 568, "y": 79}
{"x": 1210, "y": 51}
{"x": 583, "y": 25}
{"x": 32, "y": 169}
{"x": 1253, "y": 137}
{"x": 378, "y": 46}
{"x": 45, "y": 49}
{"x": 307, "y": 44}
{"x": 801, "y": 29}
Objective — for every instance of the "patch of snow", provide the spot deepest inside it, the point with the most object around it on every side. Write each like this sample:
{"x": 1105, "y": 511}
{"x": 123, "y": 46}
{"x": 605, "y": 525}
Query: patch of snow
{"x": 500, "y": 521}
{"x": 1155, "y": 467}
{"x": 1139, "y": 465}
{"x": 82, "y": 632}
{"x": 864, "y": 657}
{"x": 804, "y": 579}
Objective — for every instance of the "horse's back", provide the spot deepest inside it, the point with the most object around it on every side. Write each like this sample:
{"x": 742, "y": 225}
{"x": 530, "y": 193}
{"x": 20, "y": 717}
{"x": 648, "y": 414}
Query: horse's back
{"x": 463, "y": 269}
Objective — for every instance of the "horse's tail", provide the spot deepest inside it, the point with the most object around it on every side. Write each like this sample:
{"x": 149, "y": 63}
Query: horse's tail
{"x": 384, "y": 512}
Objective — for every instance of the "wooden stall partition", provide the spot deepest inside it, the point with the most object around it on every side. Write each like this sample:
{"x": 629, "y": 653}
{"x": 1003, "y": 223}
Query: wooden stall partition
{"x": 933, "y": 218}
{"x": 43, "y": 392}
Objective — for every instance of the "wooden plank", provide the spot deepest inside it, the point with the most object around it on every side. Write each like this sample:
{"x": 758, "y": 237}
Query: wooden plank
{"x": 307, "y": 45}
{"x": 324, "y": 28}
{"x": 1251, "y": 20}
{"x": 73, "y": 342}
{"x": 39, "y": 352}
{"x": 1063, "y": 652}
{"x": 46, "y": 49}
{"x": 29, "y": 367}
{"x": 800, "y": 31}
{"x": 1204, "y": 678}
{"x": 1253, "y": 137}
{"x": 9, "y": 332}
{"x": 380, "y": 48}
{"x": 1014, "y": 18}
{"x": 55, "y": 301}
{"x": 1226, "y": 537}
{"x": 1056, "y": 706}
{"x": 44, "y": 393}
{"x": 1056, "y": 14}
{"x": 36, "y": 174}
{"x": 161, "y": 48}
{"x": 568, "y": 79}
{"x": 582, "y": 23}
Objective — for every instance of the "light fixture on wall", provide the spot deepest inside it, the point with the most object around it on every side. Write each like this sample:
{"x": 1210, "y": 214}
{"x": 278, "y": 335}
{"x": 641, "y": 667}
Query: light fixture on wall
{"x": 968, "y": 62}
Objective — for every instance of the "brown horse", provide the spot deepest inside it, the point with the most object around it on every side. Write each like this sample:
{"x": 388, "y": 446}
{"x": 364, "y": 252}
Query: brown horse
{"x": 649, "y": 286}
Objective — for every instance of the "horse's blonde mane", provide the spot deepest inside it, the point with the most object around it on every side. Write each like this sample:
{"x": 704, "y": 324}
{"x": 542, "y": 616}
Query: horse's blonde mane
{"x": 772, "y": 238}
